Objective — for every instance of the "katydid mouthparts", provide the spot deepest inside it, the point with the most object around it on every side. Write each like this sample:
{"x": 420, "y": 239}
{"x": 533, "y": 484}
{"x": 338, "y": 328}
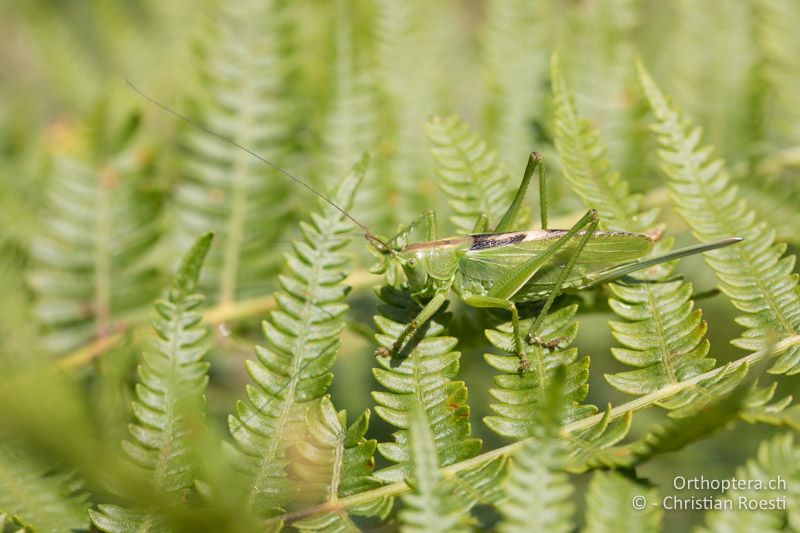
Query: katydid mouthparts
{"x": 501, "y": 268}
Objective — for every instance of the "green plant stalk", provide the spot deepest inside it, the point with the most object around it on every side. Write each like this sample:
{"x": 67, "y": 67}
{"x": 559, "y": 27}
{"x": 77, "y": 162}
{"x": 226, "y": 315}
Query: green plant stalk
{"x": 638, "y": 404}
{"x": 223, "y": 312}
{"x": 102, "y": 261}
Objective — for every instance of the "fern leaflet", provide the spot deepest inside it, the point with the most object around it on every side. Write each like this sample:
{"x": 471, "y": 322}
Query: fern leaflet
{"x": 516, "y": 68}
{"x": 716, "y": 92}
{"x": 537, "y": 490}
{"x": 679, "y": 433}
{"x": 334, "y": 461}
{"x": 245, "y": 70}
{"x": 34, "y": 495}
{"x": 664, "y": 336}
{"x": 779, "y": 45}
{"x": 431, "y": 507}
{"x": 172, "y": 378}
{"x": 474, "y": 182}
{"x": 609, "y": 506}
{"x": 99, "y": 227}
{"x": 294, "y": 366}
{"x": 351, "y": 125}
{"x": 519, "y": 395}
{"x": 594, "y": 447}
{"x": 754, "y": 273}
{"x": 778, "y": 458}
{"x": 601, "y": 46}
{"x": 407, "y": 86}
{"x": 421, "y": 372}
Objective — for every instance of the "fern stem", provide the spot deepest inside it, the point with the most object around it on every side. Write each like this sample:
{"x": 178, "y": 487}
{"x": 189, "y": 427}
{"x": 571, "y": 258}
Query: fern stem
{"x": 223, "y": 312}
{"x": 235, "y": 229}
{"x": 102, "y": 261}
{"x": 638, "y": 404}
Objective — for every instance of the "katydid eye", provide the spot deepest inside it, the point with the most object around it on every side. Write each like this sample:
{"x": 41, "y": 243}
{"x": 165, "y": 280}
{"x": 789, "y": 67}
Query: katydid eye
{"x": 412, "y": 262}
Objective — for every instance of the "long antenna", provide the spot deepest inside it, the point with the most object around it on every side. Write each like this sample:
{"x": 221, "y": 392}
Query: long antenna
{"x": 379, "y": 244}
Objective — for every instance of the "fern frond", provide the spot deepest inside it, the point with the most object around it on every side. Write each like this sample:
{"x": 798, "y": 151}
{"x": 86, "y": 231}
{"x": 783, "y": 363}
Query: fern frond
{"x": 674, "y": 435}
{"x": 600, "y": 46}
{"x": 594, "y": 447}
{"x": 757, "y": 402}
{"x": 36, "y": 496}
{"x": 245, "y": 67}
{"x": 779, "y": 44}
{"x": 351, "y": 125}
{"x": 664, "y": 336}
{"x": 172, "y": 378}
{"x": 293, "y": 368}
{"x": 679, "y": 433}
{"x": 609, "y": 506}
{"x": 88, "y": 257}
{"x": 431, "y": 507}
{"x": 335, "y": 461}
{"x": 719, "y": 93}
{"x": 482, "y": 484}
{"x": 519, "y": 395}
{"x": 407, "y": 82}
{"x": 583, "y": 158}
{"x": 754, "y": 273}
{"x": 777, "y": 459}
{"x": 472, "y": 179}
{"x": 423, "y": 371}
{"x": 781, "y": 416}
{"x": 777, "y": 202}
{"x": 537, "y": 490}
{"x": 516, "y": 40}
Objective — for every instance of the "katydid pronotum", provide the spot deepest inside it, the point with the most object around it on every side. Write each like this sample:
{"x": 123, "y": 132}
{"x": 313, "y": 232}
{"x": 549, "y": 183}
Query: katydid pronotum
{"x": 503, "y": 268}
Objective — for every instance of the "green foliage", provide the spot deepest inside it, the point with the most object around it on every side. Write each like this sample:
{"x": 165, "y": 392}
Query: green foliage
{"x": 334, "y": 461}
{"x": 777, "y": 458}
{"x": 515, "y": 63}
{"x": 172, "y": 378}
{"x": 293, "y": 369}
{"x": 421, "y": 372}
{"x": 431, "y": 506}
{"x": 89, "y": 266}
{"x": 224, "y": 188}
{"x": 755, "y": 274}
{"x": 537, "y": 491}
{"x": 407, "y": 76}
{"x": 601, "y": 45}
{"x": 779, "y": 45}
{"x": 519, "y": 396}
{"x": 474, "y": 182}
{"x": 664, "y": 337}
{"x": 594, "y": 447}
{"x": 609, "y": 506}
{"x": 720, "y": 97}
{"x": 310, "y": 86}
{"x": 681, "y": 432}
{"x": 35, "y": 494}
{"x": 774, "y": 198}
{"x": 351, "y": 121}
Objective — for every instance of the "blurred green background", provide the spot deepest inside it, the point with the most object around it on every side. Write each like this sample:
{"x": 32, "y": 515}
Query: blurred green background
{"x": 311, "y": 84}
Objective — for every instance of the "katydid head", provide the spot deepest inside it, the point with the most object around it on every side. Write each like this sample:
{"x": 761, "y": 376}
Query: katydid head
{"x": 392, "y": 260}
{"x": 414, "y": 267}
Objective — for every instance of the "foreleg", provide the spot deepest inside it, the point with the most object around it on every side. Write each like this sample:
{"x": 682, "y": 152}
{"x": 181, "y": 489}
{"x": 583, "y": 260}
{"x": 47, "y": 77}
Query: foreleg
{"x": 417, "y": 322}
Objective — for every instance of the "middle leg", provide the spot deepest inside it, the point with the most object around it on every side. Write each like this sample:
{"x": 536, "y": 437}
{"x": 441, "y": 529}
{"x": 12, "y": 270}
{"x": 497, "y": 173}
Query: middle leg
{"x": 508, "y": 285}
